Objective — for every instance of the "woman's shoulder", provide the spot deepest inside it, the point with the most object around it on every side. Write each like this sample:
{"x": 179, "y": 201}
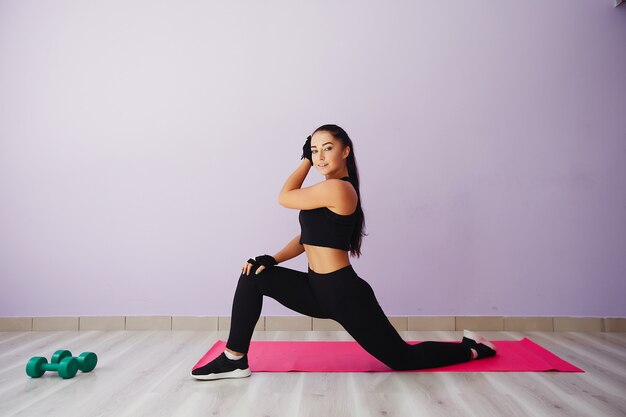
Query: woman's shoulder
{"x": 347, "y": 197}
{"x": 339, "y": 184}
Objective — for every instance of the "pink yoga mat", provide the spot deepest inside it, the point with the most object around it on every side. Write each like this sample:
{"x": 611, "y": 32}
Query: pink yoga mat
{"x": 348, "y": 356}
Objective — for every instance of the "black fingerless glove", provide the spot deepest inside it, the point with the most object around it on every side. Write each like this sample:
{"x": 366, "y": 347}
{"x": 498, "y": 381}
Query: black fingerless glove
{"x": 265, "y": 260}
{"x": 306, "y": 150}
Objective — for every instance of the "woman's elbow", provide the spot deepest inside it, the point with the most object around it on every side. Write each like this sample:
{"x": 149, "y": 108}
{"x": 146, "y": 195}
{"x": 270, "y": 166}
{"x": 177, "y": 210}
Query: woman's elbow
{"x": 287, "y": 201}
{"x": 280, "y": 200}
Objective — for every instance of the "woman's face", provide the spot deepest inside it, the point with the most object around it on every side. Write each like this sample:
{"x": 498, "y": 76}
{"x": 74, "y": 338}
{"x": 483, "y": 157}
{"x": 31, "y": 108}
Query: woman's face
{"x": 328, "y": 155}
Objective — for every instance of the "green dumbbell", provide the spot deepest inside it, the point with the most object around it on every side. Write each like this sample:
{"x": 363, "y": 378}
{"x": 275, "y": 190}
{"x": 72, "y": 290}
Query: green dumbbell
{"x": 86, "y": 361}
{"x": 38, "y": 365}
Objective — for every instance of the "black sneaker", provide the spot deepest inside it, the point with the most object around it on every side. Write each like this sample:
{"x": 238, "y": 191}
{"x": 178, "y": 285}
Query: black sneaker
{"x": 482, "y": 346}
{"x": 222, "y": 367}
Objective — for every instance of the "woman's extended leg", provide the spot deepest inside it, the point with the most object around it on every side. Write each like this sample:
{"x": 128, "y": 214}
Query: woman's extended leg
{"x": 287, "y": 286}
{"x": 350, "y": 301}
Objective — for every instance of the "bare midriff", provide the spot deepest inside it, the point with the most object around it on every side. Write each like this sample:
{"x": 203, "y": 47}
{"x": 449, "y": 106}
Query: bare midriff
{"x": 325, "y": 260}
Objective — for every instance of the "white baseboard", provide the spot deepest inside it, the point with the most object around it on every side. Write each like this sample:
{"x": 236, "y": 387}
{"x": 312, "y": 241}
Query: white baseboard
{"x": 304, "y": 323}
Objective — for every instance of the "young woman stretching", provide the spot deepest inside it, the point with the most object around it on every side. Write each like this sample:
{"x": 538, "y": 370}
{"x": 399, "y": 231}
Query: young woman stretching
{"x": 331, "y": 221}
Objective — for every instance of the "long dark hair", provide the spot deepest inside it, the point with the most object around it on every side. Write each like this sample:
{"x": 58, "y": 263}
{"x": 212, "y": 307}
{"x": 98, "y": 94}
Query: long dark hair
{"x": 353, "y": 172}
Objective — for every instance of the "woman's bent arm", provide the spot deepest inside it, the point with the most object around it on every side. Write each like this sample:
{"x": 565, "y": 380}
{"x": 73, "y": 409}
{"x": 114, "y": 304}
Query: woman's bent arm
{"x": 293, "y": 249}
{"x": 295, "y": 180}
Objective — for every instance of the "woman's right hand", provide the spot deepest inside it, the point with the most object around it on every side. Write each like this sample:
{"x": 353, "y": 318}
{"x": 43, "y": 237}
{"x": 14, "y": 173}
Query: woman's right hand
{"x": 247, "y": 266}
{"x": 261, "y": 261}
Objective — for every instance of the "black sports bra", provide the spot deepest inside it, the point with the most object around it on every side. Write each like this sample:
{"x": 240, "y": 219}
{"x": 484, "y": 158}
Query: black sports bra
{"x": 323, "y": 227}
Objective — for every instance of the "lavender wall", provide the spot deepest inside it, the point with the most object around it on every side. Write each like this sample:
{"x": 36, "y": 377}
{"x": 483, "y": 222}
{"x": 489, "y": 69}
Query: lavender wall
{"x": 143, "y": 145}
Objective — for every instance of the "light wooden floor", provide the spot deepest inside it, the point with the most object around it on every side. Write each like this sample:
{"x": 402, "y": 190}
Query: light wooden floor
{"x": 146, "y": 373}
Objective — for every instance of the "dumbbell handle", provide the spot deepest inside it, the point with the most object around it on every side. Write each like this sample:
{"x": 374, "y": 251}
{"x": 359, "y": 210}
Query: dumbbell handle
{"x": 50, "y": 367}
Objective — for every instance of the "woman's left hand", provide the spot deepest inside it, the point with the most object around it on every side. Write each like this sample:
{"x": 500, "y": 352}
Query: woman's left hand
{"x": 306, "y": 150}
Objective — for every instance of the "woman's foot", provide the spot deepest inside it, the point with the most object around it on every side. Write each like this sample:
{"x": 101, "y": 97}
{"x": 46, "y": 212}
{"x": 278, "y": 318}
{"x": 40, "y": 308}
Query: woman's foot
{"x": 478, "y": 344}
{"x": 222, "y": 367}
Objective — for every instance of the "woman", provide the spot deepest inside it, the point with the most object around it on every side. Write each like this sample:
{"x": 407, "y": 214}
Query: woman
{"x": 331, "y": 221}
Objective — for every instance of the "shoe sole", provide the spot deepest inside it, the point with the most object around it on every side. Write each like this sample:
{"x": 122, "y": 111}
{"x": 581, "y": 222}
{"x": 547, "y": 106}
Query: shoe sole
{"x": 478, "y": 339}
{"x": 237, "y": 373}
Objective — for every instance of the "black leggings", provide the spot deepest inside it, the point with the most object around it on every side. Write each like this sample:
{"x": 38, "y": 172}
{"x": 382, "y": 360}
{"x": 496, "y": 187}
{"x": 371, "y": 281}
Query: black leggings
{"x": 344, "y": 297}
